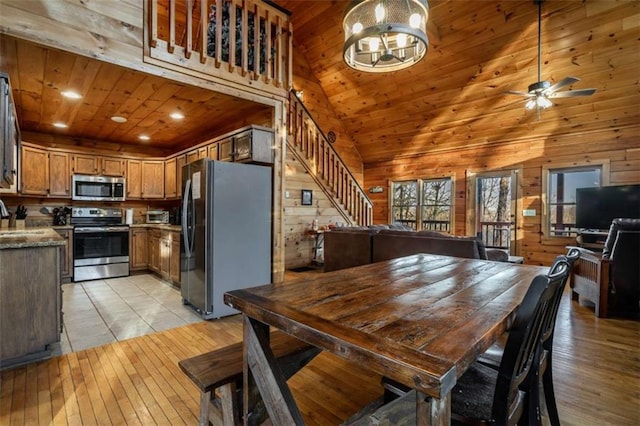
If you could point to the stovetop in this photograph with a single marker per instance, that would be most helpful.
(96, 216)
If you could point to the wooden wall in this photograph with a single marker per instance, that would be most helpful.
(298, 218)
(316, 101)
(621, 147)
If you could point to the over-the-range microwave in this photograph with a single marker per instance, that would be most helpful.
(97, 188)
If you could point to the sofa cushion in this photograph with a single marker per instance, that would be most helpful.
(391, 246)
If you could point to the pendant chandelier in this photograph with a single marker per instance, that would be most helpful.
(385, 35)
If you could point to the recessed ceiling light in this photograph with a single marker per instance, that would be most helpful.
(119, 119)
(176, 115)
(60, 125)
(144, 137)
(70, 94)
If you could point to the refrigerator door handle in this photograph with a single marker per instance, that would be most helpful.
(192, 239)
(185, 233)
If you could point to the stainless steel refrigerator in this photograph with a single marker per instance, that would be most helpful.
(226, 232)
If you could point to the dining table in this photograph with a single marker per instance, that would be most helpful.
(420, 320)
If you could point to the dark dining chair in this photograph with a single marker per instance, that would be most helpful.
(507, 395)
(492, 357)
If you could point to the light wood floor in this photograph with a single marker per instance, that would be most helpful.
(137, 381)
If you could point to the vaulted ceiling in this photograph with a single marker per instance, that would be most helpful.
(478, 50)
(454, 97)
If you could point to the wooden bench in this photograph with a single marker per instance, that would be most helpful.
(218, 375)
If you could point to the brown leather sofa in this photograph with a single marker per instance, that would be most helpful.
(349, 247)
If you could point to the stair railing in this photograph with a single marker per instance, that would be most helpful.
(324, 164)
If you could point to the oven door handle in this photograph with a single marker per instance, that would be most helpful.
(91, 229)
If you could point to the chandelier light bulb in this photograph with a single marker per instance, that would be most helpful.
(401, 40)
(374, 43)
(414, 20)
(380, 12)
(357, 27)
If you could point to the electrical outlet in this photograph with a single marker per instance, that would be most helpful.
(286, 194)
(531, 212)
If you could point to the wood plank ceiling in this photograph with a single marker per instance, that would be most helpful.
(452, 98)
(478, 50)
(39, 74)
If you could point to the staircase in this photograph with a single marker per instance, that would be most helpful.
(310, 146)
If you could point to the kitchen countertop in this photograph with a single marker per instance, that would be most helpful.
(157, 226)
(11, 238)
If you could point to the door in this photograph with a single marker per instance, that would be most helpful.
(492, 211)
(193, 248)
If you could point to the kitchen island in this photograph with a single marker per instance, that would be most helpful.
(30, 296)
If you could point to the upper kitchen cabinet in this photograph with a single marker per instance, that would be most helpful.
(252, 145)
(134, 179)
(170, 182)
(152, 179)
(145, 179)
(88, 164)
(9, 135)
(59, 175)
(44, 172)
(35, 171)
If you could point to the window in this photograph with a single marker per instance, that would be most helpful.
(423, 204)
(561, 196)
(404, 202)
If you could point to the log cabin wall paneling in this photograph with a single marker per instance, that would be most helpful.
(298, 218)
(618, 146)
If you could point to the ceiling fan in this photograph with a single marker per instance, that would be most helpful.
(540, 92)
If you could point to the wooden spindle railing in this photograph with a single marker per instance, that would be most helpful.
(320, 158)
(243, 41)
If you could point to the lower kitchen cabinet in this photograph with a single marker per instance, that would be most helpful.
(30, 303)
(138, 249)
(164, 254)
(66, 255)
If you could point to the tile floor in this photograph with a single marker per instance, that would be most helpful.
(104, 311)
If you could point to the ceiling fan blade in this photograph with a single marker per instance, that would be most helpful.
(572, 93)
(560, 84)
(517, 92)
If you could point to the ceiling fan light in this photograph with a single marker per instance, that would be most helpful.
(543, 102)
(531, 104)
(383, 36)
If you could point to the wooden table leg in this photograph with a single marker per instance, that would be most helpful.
(432, 411)
(268, 377)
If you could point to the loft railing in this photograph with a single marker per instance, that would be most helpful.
(243, 41)
(325, 165)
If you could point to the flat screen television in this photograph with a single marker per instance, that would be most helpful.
(597, 207)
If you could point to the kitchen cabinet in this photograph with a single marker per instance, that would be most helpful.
(59, 175)
(89, 164)
(254, 145)
(134, 179)
(45, 173)
(152, 179)
(66, 255)
(30, 303)
(9, 136)
(145, 179)
(34, 171)
(197, 154)
(170, 178)
(139, 249)
(164, 250)
(180, 161)
(213, 151)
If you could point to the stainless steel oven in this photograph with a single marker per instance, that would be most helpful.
(100, 244)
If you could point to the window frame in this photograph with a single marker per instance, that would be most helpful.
(547, 170)
(420, 205)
